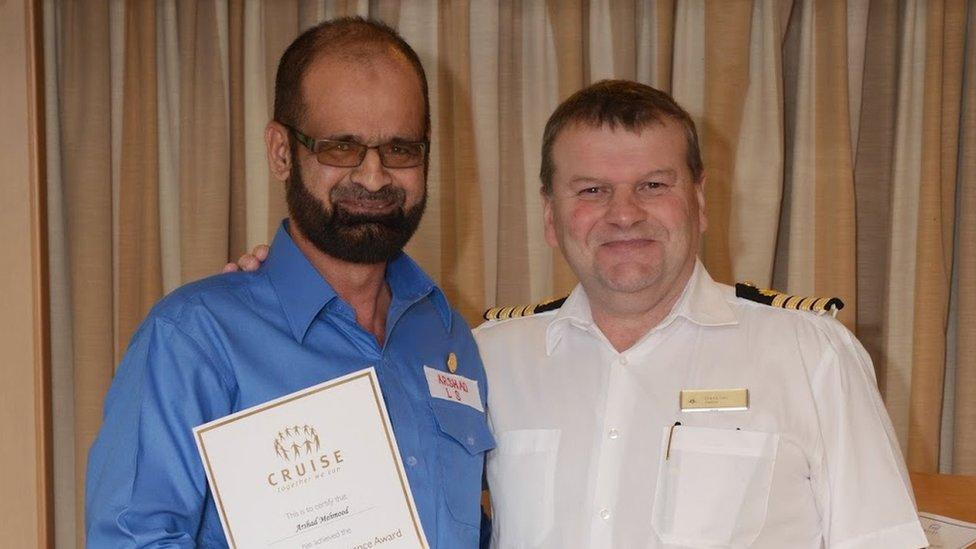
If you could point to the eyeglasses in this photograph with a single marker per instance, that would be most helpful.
(349, 154)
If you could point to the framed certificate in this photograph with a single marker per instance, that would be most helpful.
(316, 468)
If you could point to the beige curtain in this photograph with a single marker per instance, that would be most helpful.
(839, 142)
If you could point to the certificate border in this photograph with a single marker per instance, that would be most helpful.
(942, 519)
(369, 373)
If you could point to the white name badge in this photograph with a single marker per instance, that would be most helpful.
(453, 387)
(317, 468)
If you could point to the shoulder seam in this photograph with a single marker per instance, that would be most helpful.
(221, 373)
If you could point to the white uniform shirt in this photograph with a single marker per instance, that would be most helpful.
(582, 431)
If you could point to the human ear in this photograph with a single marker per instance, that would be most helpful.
(550, 227)
(700, 194)
(278, 149)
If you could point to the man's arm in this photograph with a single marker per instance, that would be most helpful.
(145, 484)
(862, 483)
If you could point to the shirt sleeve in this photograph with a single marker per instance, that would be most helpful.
(146, 486)
(863, 487)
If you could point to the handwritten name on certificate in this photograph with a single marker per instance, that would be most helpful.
(316, 468)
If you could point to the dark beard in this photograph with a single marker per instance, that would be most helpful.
(350, 236)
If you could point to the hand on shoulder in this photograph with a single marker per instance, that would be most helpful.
(250, 261)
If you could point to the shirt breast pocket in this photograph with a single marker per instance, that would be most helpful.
(713, 486)
(460, 453)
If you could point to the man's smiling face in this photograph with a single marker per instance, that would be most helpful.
(363, 214)
(624, 208)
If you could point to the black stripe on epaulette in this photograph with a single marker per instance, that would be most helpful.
(549, 305)
(774, 298)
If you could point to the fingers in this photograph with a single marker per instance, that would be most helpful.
(248, 263)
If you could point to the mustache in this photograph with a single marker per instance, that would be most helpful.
(355, 192)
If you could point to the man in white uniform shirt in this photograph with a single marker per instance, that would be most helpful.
(595, 448)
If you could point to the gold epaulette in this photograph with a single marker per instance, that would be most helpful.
(786, 301)
(516, 311)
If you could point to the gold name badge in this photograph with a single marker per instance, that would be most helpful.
(705, 400)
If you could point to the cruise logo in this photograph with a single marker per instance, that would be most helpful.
(292, 441)
(300, 450)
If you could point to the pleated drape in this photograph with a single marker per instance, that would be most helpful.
(138, 189)
(84, 122)
(838, 140)
(959, 438)
(873, 173)
(944, 46)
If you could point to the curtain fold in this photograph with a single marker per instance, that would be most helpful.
(936, 217)
(655, 40)
(168, 116)
(906, 167)
(462, 255)
(833, 178)
(279, 26)
(204, 145)
(838, 140)
(756, 171)
(484, 46)
(418, 24)
(873, 174)
(963, 391)
(727, 30)
(539, 94)
(513, 268)
(236, 128)
(139, 271)
(84, 119)
(567, 23)
(61, 329)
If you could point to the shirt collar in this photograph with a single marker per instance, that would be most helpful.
(702, 302)
(303, 292)
(575, 312)
(409, 284)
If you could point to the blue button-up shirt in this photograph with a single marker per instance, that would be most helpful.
(236, 340)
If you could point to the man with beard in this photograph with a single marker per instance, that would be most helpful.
(336, 294)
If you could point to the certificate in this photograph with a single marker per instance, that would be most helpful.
(316, 468)
(947, 533)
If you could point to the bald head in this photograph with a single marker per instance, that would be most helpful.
(352, 39)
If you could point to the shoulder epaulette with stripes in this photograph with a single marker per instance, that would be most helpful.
(516, 311)
(786, 301)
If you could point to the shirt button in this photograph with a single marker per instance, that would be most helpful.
(614, 433)
(411, 461)
(470, 441)
(623, 360)
(605, 514)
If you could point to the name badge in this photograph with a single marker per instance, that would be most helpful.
(710, 400)
(453, 387)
